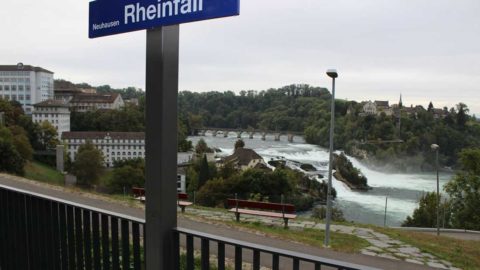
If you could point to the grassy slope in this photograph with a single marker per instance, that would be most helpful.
(463, 254)
(43, 173)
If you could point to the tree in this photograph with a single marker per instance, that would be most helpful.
(21, 142)
(239, 144)
(430, 107)
(464, 191)
(204, 173)
(426, 213)
(127, 177)
(202, 147)
(10, 160)
(48, 135)
(462, 116)
(88, 165)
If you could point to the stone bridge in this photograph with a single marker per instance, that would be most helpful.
(251, 132)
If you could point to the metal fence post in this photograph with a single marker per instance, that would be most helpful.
(161, 146)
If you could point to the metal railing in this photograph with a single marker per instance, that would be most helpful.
(43, 232)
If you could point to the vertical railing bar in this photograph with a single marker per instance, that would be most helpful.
(256, 259)
(190, 258)
(56, 236)
(205, 251)
(136, 246)
(79, 238)
(96, 241)
(48, 236)
(63, 235)
(22, 229)
(14, 231)
(87, 238)
(144, 229)
(275, 261)
(221, 255)
(115, 244)
(36, 237)
(125, 226)
(71, 238)
(105, 242)
(238, 258)
(3, 231)
(318, 266)
(296, 264)
(176, 248)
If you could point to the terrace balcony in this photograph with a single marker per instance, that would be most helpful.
(45, 232)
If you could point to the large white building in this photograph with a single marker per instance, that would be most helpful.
(26, 84)
(114, 145)
(56, 112)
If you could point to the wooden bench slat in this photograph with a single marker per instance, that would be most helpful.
(263, 213)
(287, 208)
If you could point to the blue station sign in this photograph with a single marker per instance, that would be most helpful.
(110, 17)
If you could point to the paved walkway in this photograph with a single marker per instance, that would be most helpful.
(380, 244)
(383, 253)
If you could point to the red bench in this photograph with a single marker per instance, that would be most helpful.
(139, 194)
(183, 201)
(278, 210)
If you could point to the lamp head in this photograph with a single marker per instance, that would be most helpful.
(435, 146)
(332, 73)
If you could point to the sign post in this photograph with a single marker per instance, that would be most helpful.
(161, 19)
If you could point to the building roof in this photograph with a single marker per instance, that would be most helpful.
(23, 68)
(381, 103)
(91, 135)
(52, 103)
(242, 156)
(94, 98)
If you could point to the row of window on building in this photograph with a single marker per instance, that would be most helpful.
(14, 73)
(15, 97)
(14, 87)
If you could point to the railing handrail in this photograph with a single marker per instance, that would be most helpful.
(77, 205)
(272, 250)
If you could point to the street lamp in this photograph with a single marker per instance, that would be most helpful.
(435, 148)
(332, 73)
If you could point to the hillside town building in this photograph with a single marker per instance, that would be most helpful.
(26, 84)
(56, 112)
(115, 146)
(245, 158)
(84, 102)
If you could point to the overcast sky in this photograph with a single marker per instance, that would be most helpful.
(428, 50)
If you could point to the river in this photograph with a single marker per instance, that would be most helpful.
(402, 190)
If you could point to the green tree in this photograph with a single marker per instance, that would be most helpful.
(88, 165)
(239, 144)
(464, 191)
(426, 213)
(204, 173)
(202, 147)
(48, 135)
(127, 177)
(21, 142)
(462, 116)
(10, 159)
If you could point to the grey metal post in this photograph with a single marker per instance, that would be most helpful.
(2, 119)
(161, 146)
(330, 167)
(385, 217)
(438, 197)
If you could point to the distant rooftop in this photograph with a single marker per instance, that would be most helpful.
(243, 156)
(51, 103)
(94, 98)
(23, 68)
